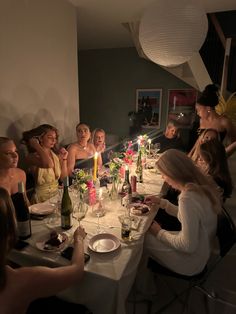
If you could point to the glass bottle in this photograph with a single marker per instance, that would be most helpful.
(22, 212)
(66, 206)
(126, 190)
(139, 168)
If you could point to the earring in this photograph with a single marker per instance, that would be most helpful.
(208, 110)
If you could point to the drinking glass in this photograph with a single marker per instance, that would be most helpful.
(80, 211)
(99, 211)
(55, 202)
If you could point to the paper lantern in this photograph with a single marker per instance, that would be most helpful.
(172, 31)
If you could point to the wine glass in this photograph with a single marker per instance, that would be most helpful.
(99, 211)
(156, 148)
(80, 211)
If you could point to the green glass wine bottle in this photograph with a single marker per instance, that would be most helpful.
(139, 168)
(22, 212)
(66, 206)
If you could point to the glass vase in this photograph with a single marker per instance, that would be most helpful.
(114, 188)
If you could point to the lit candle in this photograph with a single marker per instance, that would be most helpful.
(95, 167)
(149, 144)
(126, 167)
(100, 194)
(139, 142)
(174, 103)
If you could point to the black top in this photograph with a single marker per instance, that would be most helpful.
(167, 143)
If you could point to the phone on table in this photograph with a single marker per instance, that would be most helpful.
(68, 252)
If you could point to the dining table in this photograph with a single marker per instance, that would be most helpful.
(108, 275)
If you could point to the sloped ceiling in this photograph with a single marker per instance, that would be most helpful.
(100, 22)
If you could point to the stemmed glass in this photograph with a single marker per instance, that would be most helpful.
(55, 202)
(156, 148)
(80, 210)
(99, 211)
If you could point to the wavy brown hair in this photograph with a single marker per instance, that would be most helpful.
(36, 132)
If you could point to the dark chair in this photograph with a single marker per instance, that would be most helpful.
(226, 234)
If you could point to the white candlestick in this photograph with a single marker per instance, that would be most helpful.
(174, 103)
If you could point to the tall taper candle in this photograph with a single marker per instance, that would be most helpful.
(95, 167)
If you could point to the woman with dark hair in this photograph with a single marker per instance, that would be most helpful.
(10, 175)
(185, 251)
(209, 118)
(46, 166)
(213, 161)
(80, 154)
(19, 287)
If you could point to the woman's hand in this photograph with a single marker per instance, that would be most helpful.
(154, 228)
(79, 234)
(152, 200)
(63, 154)
(34, 142)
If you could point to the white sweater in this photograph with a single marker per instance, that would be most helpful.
(186, 251)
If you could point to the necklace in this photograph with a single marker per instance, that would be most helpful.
(82, 147)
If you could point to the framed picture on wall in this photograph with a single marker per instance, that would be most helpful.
(181, 105)
(148, 106)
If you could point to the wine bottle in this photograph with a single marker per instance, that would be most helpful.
(22, 212)
(139, 168)
(126, 190)
(66, 206)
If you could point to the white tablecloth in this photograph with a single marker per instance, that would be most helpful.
(108, 276)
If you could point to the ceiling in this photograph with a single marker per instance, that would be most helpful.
(100, 22)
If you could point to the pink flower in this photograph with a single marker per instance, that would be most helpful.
(89, 184)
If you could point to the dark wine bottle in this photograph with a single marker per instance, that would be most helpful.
(22, 212)
(126, 190)
(139, 168)
(66, 206)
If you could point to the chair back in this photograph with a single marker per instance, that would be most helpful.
(226, 232)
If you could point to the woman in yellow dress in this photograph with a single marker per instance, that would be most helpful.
(46, 166)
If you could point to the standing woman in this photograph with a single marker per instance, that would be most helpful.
(209, 118)
(10, 175)
(186, 251)
(46, 166)
(80, 154)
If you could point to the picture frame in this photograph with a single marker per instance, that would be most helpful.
(181, 105)
(148, 106)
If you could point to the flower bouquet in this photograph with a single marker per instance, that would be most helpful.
(115, 165)
(83, 182)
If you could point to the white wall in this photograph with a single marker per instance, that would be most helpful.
(38, 67)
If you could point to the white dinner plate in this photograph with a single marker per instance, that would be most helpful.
(41, 209)
(40, 243)
(104, 243)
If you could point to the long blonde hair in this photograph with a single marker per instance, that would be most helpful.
(194, 153)
(181, 169)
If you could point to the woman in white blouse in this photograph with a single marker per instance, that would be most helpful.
(188, 250)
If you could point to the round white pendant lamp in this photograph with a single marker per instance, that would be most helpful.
(172, 31)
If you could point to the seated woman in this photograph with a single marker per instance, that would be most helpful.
(24, 285)
(206, 135)
(209, 118)
(213, 161)
(99, 141)
(80, 154)
(46, 166)
(188, 250)
(10, 175)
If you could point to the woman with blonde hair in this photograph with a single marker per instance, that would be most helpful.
(188, 250)
(206, 135)
(19, 287)
(44, 162)
(10, 174)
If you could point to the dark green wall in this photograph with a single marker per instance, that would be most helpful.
(108, 80)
